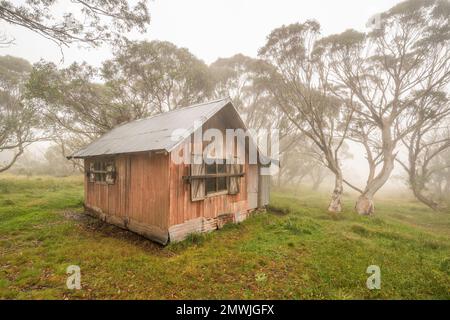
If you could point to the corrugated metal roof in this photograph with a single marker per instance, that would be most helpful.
(154, 133)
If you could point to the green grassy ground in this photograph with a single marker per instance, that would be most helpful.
(295, 251)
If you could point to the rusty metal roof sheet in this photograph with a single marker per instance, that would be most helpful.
(154, 133)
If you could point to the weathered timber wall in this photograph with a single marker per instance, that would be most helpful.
(139, 198)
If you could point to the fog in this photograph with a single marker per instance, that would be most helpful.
(213, 34)
(209, 29)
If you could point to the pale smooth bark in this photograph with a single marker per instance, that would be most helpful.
(336, 197)
(365, 203)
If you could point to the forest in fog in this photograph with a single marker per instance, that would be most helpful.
(384, 91)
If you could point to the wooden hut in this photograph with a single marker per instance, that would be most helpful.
(133, 181)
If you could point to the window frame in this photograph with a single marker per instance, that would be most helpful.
(199, 178)
(216, 176)
(101, 172)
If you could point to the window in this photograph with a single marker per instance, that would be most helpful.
(210, 179)
(102, 172)
(217, 183)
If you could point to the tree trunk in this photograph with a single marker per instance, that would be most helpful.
(418, 187)
(364, 205)
(336, 198)
(425, 200)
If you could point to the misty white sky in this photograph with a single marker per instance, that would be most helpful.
(216, 28)
(211, 28)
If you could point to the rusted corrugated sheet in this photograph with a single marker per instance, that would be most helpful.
(154, 133)
(252, 186)
(264, 190)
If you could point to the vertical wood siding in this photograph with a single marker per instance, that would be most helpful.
(108, 198)
(140, 192)
(182, 209)
(149, 194)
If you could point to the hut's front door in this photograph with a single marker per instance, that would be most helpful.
(252, 186)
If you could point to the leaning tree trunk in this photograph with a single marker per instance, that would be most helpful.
(365, 204)
(336, 198)
(418, 187)
(425, 200)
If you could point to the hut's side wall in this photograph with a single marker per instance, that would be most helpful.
(108, 198)
(139, 198)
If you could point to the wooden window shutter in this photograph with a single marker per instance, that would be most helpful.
(234, 182)
(91, 174)
(198, 185)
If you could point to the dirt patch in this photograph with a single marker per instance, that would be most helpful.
(278, 211)
(103, 229)
(74, 215)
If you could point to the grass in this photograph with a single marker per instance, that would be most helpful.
(294, 251)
